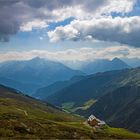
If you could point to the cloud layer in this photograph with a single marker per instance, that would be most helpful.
(81, 54)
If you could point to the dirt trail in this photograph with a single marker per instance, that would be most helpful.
(25, 112)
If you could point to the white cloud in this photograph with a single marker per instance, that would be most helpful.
(81, 9)
(123, 30)
(69, 33)
(118, 6)
(35, 24)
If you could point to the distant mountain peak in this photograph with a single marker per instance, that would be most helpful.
(117, 59)
(120, 62)
(37, 59)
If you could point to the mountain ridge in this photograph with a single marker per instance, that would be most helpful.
(102, 65)
(82, 96)
(37, 71)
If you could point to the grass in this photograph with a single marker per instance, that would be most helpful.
(25, 118)
(70, 106)
(120, 132)
(86, 105)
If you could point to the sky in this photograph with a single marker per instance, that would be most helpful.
(69, 30)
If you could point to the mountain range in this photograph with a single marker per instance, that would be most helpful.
(81, 97)
(92, 67)
(29, 75)
(133, 62)
(43, 93)
(102, 65)
(76, 92)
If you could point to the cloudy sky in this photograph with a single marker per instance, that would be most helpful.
(69, 29)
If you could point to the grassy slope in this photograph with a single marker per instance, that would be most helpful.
(24, 117)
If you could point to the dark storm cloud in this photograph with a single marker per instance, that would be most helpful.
(13, 13)
(7, 2)
(50, 4)
(54, 4)
(8, 24)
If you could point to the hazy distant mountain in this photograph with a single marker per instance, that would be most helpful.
(90, 87)
(95, 86)
(36, 71)
(25, 87)
(133, 62)
(74, 64)
(102, 65)
(43, 93)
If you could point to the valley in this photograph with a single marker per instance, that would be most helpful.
(62, 108)
(107, 95)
